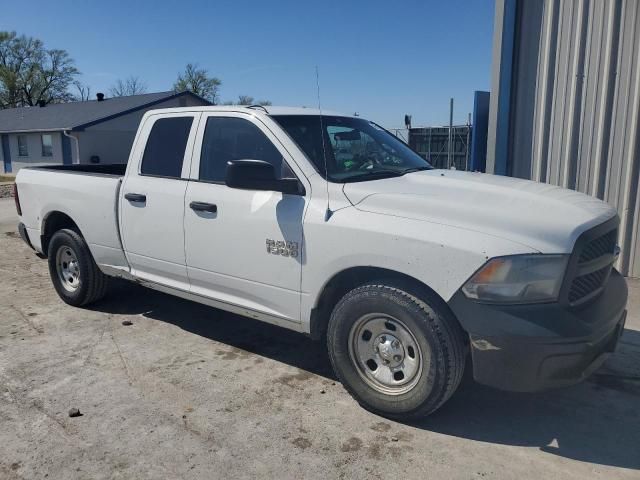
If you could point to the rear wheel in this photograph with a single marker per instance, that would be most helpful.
(75, 275)
(398, 355)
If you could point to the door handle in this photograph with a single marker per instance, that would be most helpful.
(135, 197)
(204, 207)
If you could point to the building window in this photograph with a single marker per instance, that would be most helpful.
(23, 150)
(47, 146)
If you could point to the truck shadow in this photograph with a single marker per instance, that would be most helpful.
(244, 333)
(597, 421)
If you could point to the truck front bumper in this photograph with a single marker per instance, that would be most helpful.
(527, 348)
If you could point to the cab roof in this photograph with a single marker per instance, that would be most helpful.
(267, 109)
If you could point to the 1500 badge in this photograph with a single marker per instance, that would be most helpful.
(286, 249)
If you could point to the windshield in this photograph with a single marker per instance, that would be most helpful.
(355, 149)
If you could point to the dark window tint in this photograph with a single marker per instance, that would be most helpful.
(235, 139)
(164, 152)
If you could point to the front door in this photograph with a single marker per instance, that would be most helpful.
(243, 247)
(152, 200)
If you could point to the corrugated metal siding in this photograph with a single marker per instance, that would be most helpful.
(575, 104)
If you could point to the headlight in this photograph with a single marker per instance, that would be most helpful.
(518, 279)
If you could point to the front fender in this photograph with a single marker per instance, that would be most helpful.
(439, 256)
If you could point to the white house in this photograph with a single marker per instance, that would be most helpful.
(97, 131)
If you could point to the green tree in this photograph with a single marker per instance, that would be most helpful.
(198, 81)
(30, 73)
(15, 53)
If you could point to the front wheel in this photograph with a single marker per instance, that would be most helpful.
(398, 355)
(74, 274)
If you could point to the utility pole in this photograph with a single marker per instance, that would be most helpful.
(466, 157)
(449, 152)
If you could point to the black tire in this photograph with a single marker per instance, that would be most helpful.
(439, 338)
(91, 284)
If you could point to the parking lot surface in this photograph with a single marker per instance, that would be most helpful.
(191, 392)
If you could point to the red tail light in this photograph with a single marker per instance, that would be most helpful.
(17, 199)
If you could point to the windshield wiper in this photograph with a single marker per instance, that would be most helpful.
(374, 175)
(380, 173)
(416, 169)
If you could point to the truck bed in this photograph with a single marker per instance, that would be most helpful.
(88, 194)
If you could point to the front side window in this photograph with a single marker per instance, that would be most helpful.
(230, 138)
(23, 149)
(47, 146)
(354, 149)
(165, 148)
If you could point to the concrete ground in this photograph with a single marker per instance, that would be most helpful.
(8, 215)
(192, 392)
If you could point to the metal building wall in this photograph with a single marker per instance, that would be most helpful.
(573, 118)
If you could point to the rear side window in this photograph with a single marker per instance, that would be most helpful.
(164, 152)
(228, 138)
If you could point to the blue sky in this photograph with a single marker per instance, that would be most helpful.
(380, 58)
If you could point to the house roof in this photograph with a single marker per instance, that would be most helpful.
(78, 115)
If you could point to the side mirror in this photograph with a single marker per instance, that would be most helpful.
(259, 175)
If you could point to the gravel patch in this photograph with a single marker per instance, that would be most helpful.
(6, 190)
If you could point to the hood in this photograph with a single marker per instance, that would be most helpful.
(537, 215)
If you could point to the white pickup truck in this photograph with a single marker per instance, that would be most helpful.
(329, 225)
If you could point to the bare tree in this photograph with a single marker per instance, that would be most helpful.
(248, 100)
(48, 79)
(245, 100)
(30, 74)
(198, 81)
(84, 92)
(129, 86)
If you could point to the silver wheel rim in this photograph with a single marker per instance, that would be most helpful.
(68, 268)
(386, 354)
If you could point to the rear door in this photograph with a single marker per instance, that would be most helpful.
(247, 250)
(152, 199)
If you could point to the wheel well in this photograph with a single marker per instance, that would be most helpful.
(53, 222)
(347, 280)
